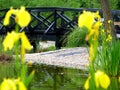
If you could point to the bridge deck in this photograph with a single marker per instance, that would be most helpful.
(68, 58)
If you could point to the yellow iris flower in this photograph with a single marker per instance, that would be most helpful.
(96, 28)
(109, 38)
(101, 79)
(25, 45)
(109, 21)
(7, 17)
(10, 39)
(91, 52)
(86, 19)
(86, 85)
(12, 84)
(8, 84)
(22, 17)
(21, 86)
(25, 41)
(94, 31)
(13, 37)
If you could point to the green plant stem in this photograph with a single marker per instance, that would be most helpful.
(17, 62)
(92, 74)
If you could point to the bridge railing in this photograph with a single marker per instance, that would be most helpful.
(51, 21)
(47, 19)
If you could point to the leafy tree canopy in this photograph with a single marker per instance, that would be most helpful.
(114, 4)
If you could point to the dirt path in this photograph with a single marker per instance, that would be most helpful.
(70, 58)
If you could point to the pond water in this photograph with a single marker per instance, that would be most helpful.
(53, 78)
(57, 78)
(48, 77)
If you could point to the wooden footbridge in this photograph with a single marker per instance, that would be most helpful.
(51, 23)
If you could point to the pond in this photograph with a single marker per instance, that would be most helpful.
(49, 77)
(57, 78)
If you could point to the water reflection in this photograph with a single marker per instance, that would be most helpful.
(57, 78)
(54, 78)
(115, 85)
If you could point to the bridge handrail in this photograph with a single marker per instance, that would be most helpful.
(55, 23)
(63, 9)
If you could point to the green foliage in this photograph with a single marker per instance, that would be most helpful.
(6, 70)
(14, 3)
(39, 3)
(90, 3)
(77, 37)
(114, 4)
(7, 53)
(109, 58)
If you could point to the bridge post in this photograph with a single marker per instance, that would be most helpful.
(57, 44)
(62, 21)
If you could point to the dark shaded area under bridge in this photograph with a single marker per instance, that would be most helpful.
(51, 23)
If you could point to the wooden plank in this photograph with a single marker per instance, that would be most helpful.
(116, 23)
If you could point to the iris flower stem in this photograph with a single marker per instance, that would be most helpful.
(17, 28)
(17, 62)
(92, 80)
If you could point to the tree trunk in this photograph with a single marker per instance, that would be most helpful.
(107, 16)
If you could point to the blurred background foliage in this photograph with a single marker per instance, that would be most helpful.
(114, 4)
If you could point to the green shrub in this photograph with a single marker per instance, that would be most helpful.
(76, 38)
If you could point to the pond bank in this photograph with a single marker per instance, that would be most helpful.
(69, 58)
